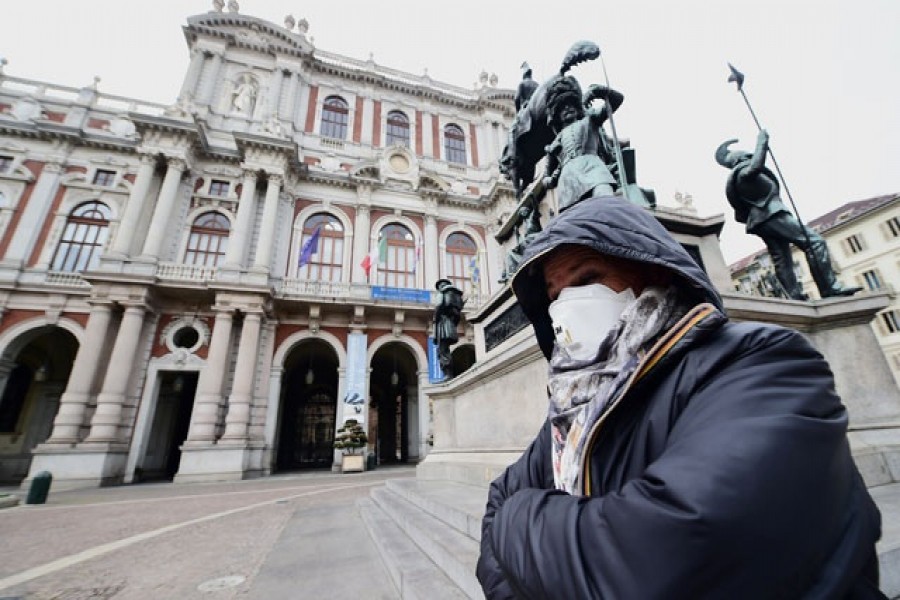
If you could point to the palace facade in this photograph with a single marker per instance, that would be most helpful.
(208, 290)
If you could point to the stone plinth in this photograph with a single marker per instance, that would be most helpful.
(484, 418)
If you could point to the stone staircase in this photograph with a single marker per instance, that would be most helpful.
(428, 534)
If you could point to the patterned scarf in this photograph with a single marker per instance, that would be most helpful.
(581, 391)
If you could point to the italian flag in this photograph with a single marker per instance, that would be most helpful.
(379, 253)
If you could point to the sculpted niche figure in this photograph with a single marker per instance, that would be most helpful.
(753, 192)
(244, 98)
(446, 318)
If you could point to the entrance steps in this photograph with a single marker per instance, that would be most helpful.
(428, 533)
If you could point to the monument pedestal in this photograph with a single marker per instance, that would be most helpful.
(485, 418)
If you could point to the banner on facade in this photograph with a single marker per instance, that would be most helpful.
(435, 373)
(354, 403)
(401, 294)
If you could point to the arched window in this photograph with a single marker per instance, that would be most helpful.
(397, 128)
(83, 238)
(335, 113)
(461, 261)
(454, 144)
(208, 241)
(399, 268)
(325, 261)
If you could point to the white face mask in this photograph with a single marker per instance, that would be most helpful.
(583, 316)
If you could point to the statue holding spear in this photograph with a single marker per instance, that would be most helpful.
(754, 193)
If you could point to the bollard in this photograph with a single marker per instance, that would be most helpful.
(40, 487)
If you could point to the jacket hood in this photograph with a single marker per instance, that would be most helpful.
(611, 226)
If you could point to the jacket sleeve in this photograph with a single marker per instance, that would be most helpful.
(750, 489)
(532, 470)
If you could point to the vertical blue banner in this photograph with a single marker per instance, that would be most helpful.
(435, 373)
(355, 399)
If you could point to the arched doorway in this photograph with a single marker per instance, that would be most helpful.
(34, 371)
(393, 413)
(308, 407)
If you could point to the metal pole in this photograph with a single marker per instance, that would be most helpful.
(738, 78)
(612, 123)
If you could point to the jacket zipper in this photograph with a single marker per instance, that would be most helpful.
(653, 356)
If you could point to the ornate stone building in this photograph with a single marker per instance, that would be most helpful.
(208, 290)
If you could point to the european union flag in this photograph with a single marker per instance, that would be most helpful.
(310, 247)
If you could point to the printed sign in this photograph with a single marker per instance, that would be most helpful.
(435, 373)
(401, 294)
(355, 399)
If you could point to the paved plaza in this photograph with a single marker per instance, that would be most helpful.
(294, 536)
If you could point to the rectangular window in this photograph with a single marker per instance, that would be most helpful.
(218, 188)
(854, 244)
(893, 225)
(872, 280)
(104, 178)
(5, 164)
(891, 321)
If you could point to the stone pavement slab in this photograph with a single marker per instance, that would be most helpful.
(324, 551)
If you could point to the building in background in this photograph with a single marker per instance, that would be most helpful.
(208, 290)
(864, 239)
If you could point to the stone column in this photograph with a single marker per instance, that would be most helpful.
(237, 245)
(188, 88)
(128, 223)
(210, 77)
(160, 225)
(73, 403)
(209, 387)
(108, 416)
(266, 241)
(237, 420)
(431, 251)
(361, 237)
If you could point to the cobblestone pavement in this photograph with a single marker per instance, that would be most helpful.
(296, 536)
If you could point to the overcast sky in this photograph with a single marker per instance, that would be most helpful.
(822, 75)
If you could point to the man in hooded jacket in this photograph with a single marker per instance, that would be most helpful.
(684, 456)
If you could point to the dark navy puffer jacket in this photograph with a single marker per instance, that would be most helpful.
(723, 471)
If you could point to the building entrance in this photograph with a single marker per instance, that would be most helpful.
(170, 426)
(394, 388)
(34, 370)
(308, 408)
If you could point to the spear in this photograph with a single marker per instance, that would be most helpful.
(738, 78)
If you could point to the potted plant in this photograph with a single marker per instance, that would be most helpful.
(350, 439)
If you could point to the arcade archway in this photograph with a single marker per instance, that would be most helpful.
(308, 407)
(393, 412)
(34, 370)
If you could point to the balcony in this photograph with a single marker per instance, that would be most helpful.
(65, 279)
(185, 273)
